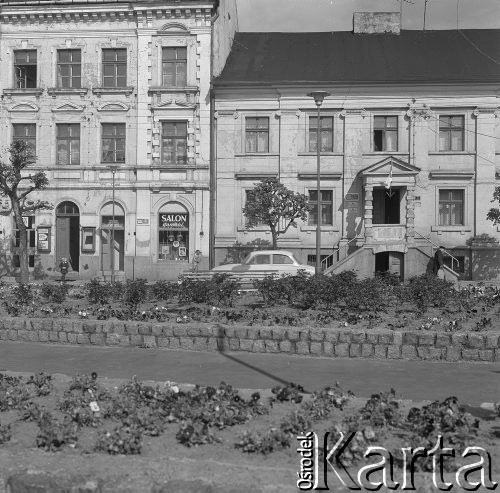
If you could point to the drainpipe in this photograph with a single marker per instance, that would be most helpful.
(475, 180)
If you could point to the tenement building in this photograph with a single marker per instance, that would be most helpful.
(409, 141)
(114, 99)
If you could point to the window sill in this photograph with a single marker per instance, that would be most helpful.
(172, 167)
(163, 89)
(53, 91)
(323, 228)
(113, 90)
(323, 153)
(452, 229)
(256, 229)
(388, 153)
(257, 154)
(37, 91)
(449, 153)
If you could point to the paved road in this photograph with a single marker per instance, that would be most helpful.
(472, 383)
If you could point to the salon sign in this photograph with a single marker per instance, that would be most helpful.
(174, 220)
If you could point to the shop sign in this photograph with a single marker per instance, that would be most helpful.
(144, 221)
(43, 239)
(174, 220)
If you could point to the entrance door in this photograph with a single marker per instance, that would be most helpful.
(68, 234)
(117, 249)
(386, 206)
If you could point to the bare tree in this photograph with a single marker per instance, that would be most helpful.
(17, 184)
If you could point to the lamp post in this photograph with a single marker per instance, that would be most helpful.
(112, 243)
(318, 96)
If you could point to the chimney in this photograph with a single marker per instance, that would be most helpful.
(377, 23)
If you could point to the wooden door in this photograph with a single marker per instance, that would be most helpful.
(62, 238)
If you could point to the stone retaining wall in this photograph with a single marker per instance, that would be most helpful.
(346, 343)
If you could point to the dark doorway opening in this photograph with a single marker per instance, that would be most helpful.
(382, 262)
(68, 234)
(391, 262)
(386, 206)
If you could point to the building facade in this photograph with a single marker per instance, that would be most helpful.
(114, 98)
(410, 144)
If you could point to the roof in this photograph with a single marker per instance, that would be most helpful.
(469, 55)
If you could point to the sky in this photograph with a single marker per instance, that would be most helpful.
(336, 15)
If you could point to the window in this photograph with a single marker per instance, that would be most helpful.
(457, 265)
(451, 133)
(68, 144)
(261, 260)
(249, 196)
(69, 68)
(114, 67)
(174, 143)
(25, 68)
(385, 133)
(282, 259)
(174, 67)
(113, 142)
(173, 234)
(257, 134)
(326, 260)
(25, 132)
(451, 207)
(326, 133)
(326, 207)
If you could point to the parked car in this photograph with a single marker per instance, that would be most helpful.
(278, 261)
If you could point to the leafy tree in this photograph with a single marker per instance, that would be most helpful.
(17, 185)
(494, 213)
(273, 204)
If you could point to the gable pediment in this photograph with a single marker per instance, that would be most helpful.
(113, 106)
(388, 164)
(24, 107)
(68, 107)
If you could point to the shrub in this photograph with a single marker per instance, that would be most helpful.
(54, 434)
(97, 292)
(23, 294)
(428, 290)
(125, 439)
(264, 443)
(116, 289)
(136, 291)
(270, 289)
(164, 290)
(194, 291)
(55, 293)
(195, 433)
(5, 434)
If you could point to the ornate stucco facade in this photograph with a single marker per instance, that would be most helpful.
(111, 88)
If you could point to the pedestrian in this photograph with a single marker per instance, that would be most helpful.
(437, 265)
(196, 260)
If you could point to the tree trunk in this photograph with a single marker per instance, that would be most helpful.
(23, 241)
(274, 235)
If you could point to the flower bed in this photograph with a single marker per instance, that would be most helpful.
(91, 422)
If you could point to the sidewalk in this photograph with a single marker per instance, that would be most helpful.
(472, 383)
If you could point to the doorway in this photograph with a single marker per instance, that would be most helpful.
(386, 206)
(112, 238)
(68, 234)
(391, 262)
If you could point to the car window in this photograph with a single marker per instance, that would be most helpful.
(248, 259)
(282, 259)
(262, 259)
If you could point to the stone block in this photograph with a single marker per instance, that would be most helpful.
(398, 338)
(486, 354)
(380, 351)
(252, 333)
(317, 335)
(4, 335)
(345, 336)
(168, 331)
(175, 343)
(328, 348)
(408, 351)
(358, 337)
(279, 333)
(355, 350)
(212, 344)
(22, 335)
(71, 337)
(107, 327)
(302, 347)
(386, 338)
(241, 332)
(331, 335)
(229, 332)
(234, 344)
(131, 329)
(112, 339)
(162, 341)
(181, 331)
(393, 351)
(443, 340)
(119, 327)
(12, 334)
(124, 340)
(76, 326)
(186, 343)
(491, 341)
(459, 339)
(246, 345)
(470, 354)
(82, 339)
(144, 329)
(63, 336)
(135, 340)
(436, 353)
(194, 331)
(271, 346)
(497, 354)
(342, 349)
(316, 349)
(258, 346)
(453, 353)
(371, 338)
(423, 352)
(97, 339)
(366, 350)
(475, 341)
(285, 346)
(200, 344)
(427, 339)
(89, 327)
(54, 336)
(266, 332)
(304, 335)
(293, 334)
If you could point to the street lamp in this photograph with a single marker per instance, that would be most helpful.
(113, 169)
(318, 96)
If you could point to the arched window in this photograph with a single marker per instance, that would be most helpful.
(67, 209)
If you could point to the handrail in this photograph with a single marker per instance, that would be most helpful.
(437, 246)
(337, 248)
